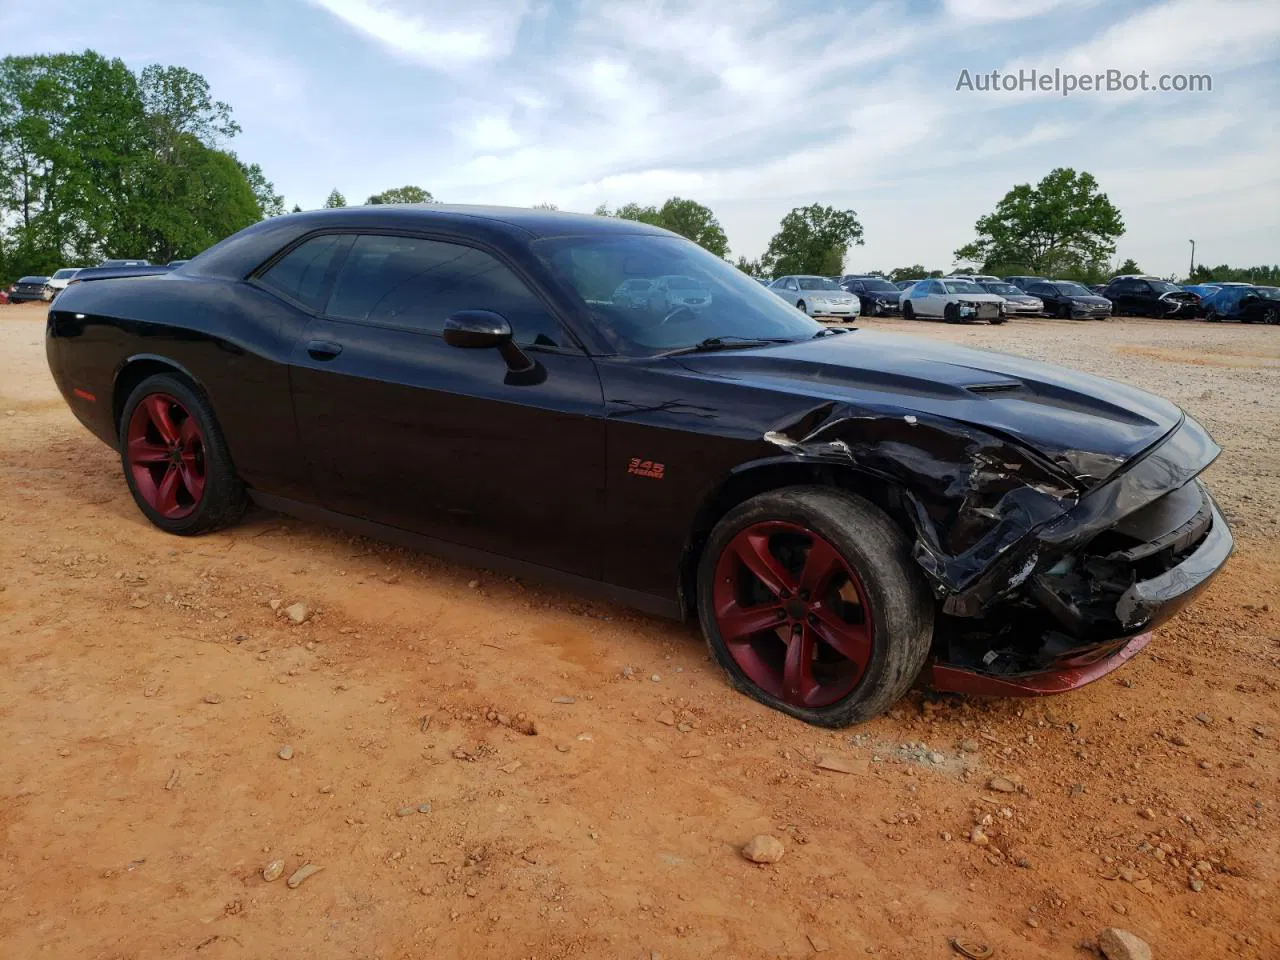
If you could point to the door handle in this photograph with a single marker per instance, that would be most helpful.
(323, 349)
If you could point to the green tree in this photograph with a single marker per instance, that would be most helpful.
(335, 199)
(1263, 275)
(688, 218)
(1062, 224)
(1128, 267)
(751, 268)
(695, 222)
(270, 203)
(545, 206)
(297, 208)
(812, 240)
(408, 194)
(914, 272)
(95, 160)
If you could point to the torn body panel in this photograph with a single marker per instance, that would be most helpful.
(1037, 567)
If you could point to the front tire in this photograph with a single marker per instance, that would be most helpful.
(802, 308)
(908, 311)
(175, 458)
(951, 313)
(812, 605)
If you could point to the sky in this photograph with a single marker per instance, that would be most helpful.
(751, 107)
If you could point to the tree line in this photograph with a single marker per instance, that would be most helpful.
(98, 161)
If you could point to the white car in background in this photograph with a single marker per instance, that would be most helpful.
(955, 301)
(675, 291)
(60, 279)
(816, 296)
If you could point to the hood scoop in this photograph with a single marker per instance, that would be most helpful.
(997, 386)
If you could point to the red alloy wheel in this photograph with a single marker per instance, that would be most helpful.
(165, 450)
(793, 614)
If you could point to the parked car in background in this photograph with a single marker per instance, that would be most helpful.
(125, 263)
(1098, 288)
(176, 263)
(903, 284)
(1150, 297)
(816, 296)
(841, 510)
(955, 301)
(61, 278)
(4, 296)
(678, 292)
(1245, 304)
(633, 293)
(1069, 300)
(1021, 282)
(876, 295)
(30, 288)
(1016, 302)
(978, 278)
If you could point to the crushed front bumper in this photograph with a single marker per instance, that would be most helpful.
(1092, 585)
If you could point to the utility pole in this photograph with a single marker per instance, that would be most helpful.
(1193, 260)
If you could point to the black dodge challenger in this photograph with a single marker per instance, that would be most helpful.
(842, 510)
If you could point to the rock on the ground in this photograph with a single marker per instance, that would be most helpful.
(297, 612)
(273, 871)
(285, 752)
(301, 874)
(763, 849)
(1002, 785)
(1117, 944)
(667, 717)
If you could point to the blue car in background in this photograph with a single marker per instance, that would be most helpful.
(1202, 290)
(1244, 304)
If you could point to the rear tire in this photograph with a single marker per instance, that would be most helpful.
(839, 654)
(1271, 316)
(175, 458)
(908, 311)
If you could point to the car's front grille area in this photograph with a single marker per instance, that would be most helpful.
(1156, 538)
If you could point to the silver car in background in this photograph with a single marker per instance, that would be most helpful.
(1017, 302)
(816, 296)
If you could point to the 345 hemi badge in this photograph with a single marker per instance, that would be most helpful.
(646, 468)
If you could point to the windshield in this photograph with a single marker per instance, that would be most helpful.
(962, 286)
(1271, 293)
(31, 279)
(1164, 286)
(1004, 289)
(878, 286)
(1073, 290)
(64, 274)
(816, 283)
(733, 306)
(683, 283)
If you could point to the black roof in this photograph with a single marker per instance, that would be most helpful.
(240, 253)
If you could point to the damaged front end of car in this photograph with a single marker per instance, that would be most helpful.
(1049, 571)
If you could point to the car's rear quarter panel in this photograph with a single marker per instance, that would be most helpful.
(233, 340)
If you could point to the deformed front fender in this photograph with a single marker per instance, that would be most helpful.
(974, 497)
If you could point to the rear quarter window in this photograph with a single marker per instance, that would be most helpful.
(306, 272)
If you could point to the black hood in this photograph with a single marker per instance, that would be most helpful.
(1061, 414)
(1092, 301)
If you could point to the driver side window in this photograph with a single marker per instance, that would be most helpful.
(415, 284)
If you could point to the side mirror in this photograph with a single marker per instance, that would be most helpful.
(476, 328)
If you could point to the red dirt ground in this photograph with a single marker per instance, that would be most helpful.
(147, 688)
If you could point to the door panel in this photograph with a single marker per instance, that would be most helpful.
(405, 430)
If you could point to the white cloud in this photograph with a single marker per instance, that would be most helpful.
(986, 11)
(443, 36)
